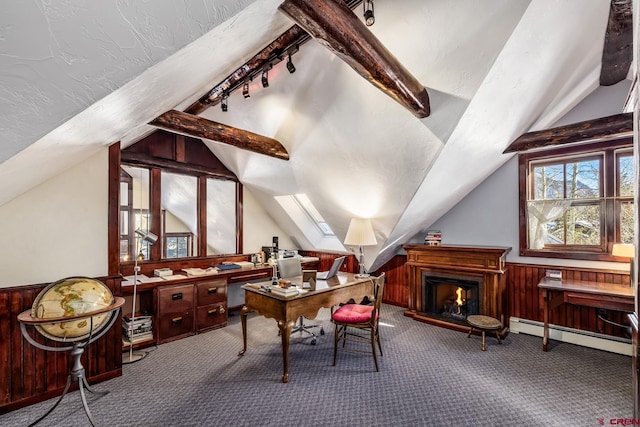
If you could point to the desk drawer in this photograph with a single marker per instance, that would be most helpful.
(211, 292)
(175, 299)
(610, 302)
(211, 316)
(174, 326)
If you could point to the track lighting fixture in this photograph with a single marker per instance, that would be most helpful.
(265, 78)
(223, 104)
(290, 66)
(245, 90)
(369, 18)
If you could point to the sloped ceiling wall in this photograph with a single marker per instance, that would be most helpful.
(493, 69)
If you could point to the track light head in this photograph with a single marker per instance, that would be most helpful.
(369, 18)
(223, 104)
(290, 66)
(265, 78)
(245, 90)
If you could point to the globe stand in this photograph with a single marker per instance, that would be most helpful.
(77, 372)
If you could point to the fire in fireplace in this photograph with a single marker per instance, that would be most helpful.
(450, 297)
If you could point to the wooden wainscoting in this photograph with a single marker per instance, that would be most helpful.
(525, 300)
(350, 264)
(28, 374)
(396, 288)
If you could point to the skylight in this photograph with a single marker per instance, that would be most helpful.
(313, 213)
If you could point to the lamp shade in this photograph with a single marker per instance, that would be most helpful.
(147, 236)
(360, 233)
(624, 250)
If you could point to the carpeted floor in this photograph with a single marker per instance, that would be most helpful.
(429, 376)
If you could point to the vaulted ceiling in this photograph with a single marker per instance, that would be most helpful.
(76, 76)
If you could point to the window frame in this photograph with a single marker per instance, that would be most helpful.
(610, 201)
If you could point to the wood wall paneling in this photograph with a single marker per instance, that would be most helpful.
(28, 374)
(396, 291)
(525, 300)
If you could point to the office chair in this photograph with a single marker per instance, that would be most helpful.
(291, 267)
(351, 319)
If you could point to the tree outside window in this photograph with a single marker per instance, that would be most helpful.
(577, 202)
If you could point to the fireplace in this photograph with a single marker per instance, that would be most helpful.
(451, 298)
(449, 283)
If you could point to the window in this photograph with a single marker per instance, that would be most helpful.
(174, 187)
(178, 245)
(313, 213)
(577, 202)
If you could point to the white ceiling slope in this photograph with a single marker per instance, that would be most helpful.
(76, 76)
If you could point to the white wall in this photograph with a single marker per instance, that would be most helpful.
(489, 216)
(57, 229)
(259, 228)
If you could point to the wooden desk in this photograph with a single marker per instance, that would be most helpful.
(590, 294)
(287, 310)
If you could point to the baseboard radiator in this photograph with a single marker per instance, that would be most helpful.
(572, 336)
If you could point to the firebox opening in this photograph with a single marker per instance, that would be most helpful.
(451, 298)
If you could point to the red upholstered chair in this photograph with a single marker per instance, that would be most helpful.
(353, 322)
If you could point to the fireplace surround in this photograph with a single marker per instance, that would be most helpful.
(435, 273)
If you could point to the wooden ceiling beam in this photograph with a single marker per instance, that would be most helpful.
(617, 53)
(274, 52)
(600, 129)
(198, 127)
(334, 25)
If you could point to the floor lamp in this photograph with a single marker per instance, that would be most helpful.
(360, 233)
(150, 238)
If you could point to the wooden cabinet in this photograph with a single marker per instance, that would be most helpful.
(190, 305)
(175, 312)
(186, 309)
(211, 304)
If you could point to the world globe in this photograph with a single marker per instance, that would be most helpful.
(74, 298)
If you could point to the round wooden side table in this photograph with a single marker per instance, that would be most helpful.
(483, 324)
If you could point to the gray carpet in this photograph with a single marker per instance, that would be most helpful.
(429, 376)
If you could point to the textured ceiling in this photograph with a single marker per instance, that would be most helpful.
(76, 76)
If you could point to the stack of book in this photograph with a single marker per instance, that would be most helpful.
(433, 238)
(286, 292)
(140, 328)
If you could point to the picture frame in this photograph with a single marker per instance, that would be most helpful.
(309, 279)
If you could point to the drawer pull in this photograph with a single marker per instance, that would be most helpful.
(176, 320)
(176, 296)
(212, 311)
(212, 291)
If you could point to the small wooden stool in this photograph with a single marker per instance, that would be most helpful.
(483, 324)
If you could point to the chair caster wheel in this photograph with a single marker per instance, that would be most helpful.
(313, 341)
(321, 331)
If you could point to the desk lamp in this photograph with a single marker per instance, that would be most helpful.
(626, 250)
(150, 238)
(360, 233)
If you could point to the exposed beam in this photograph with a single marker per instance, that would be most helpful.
(618, 43)
(588, 131)
(198, 127)
(334, 24)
